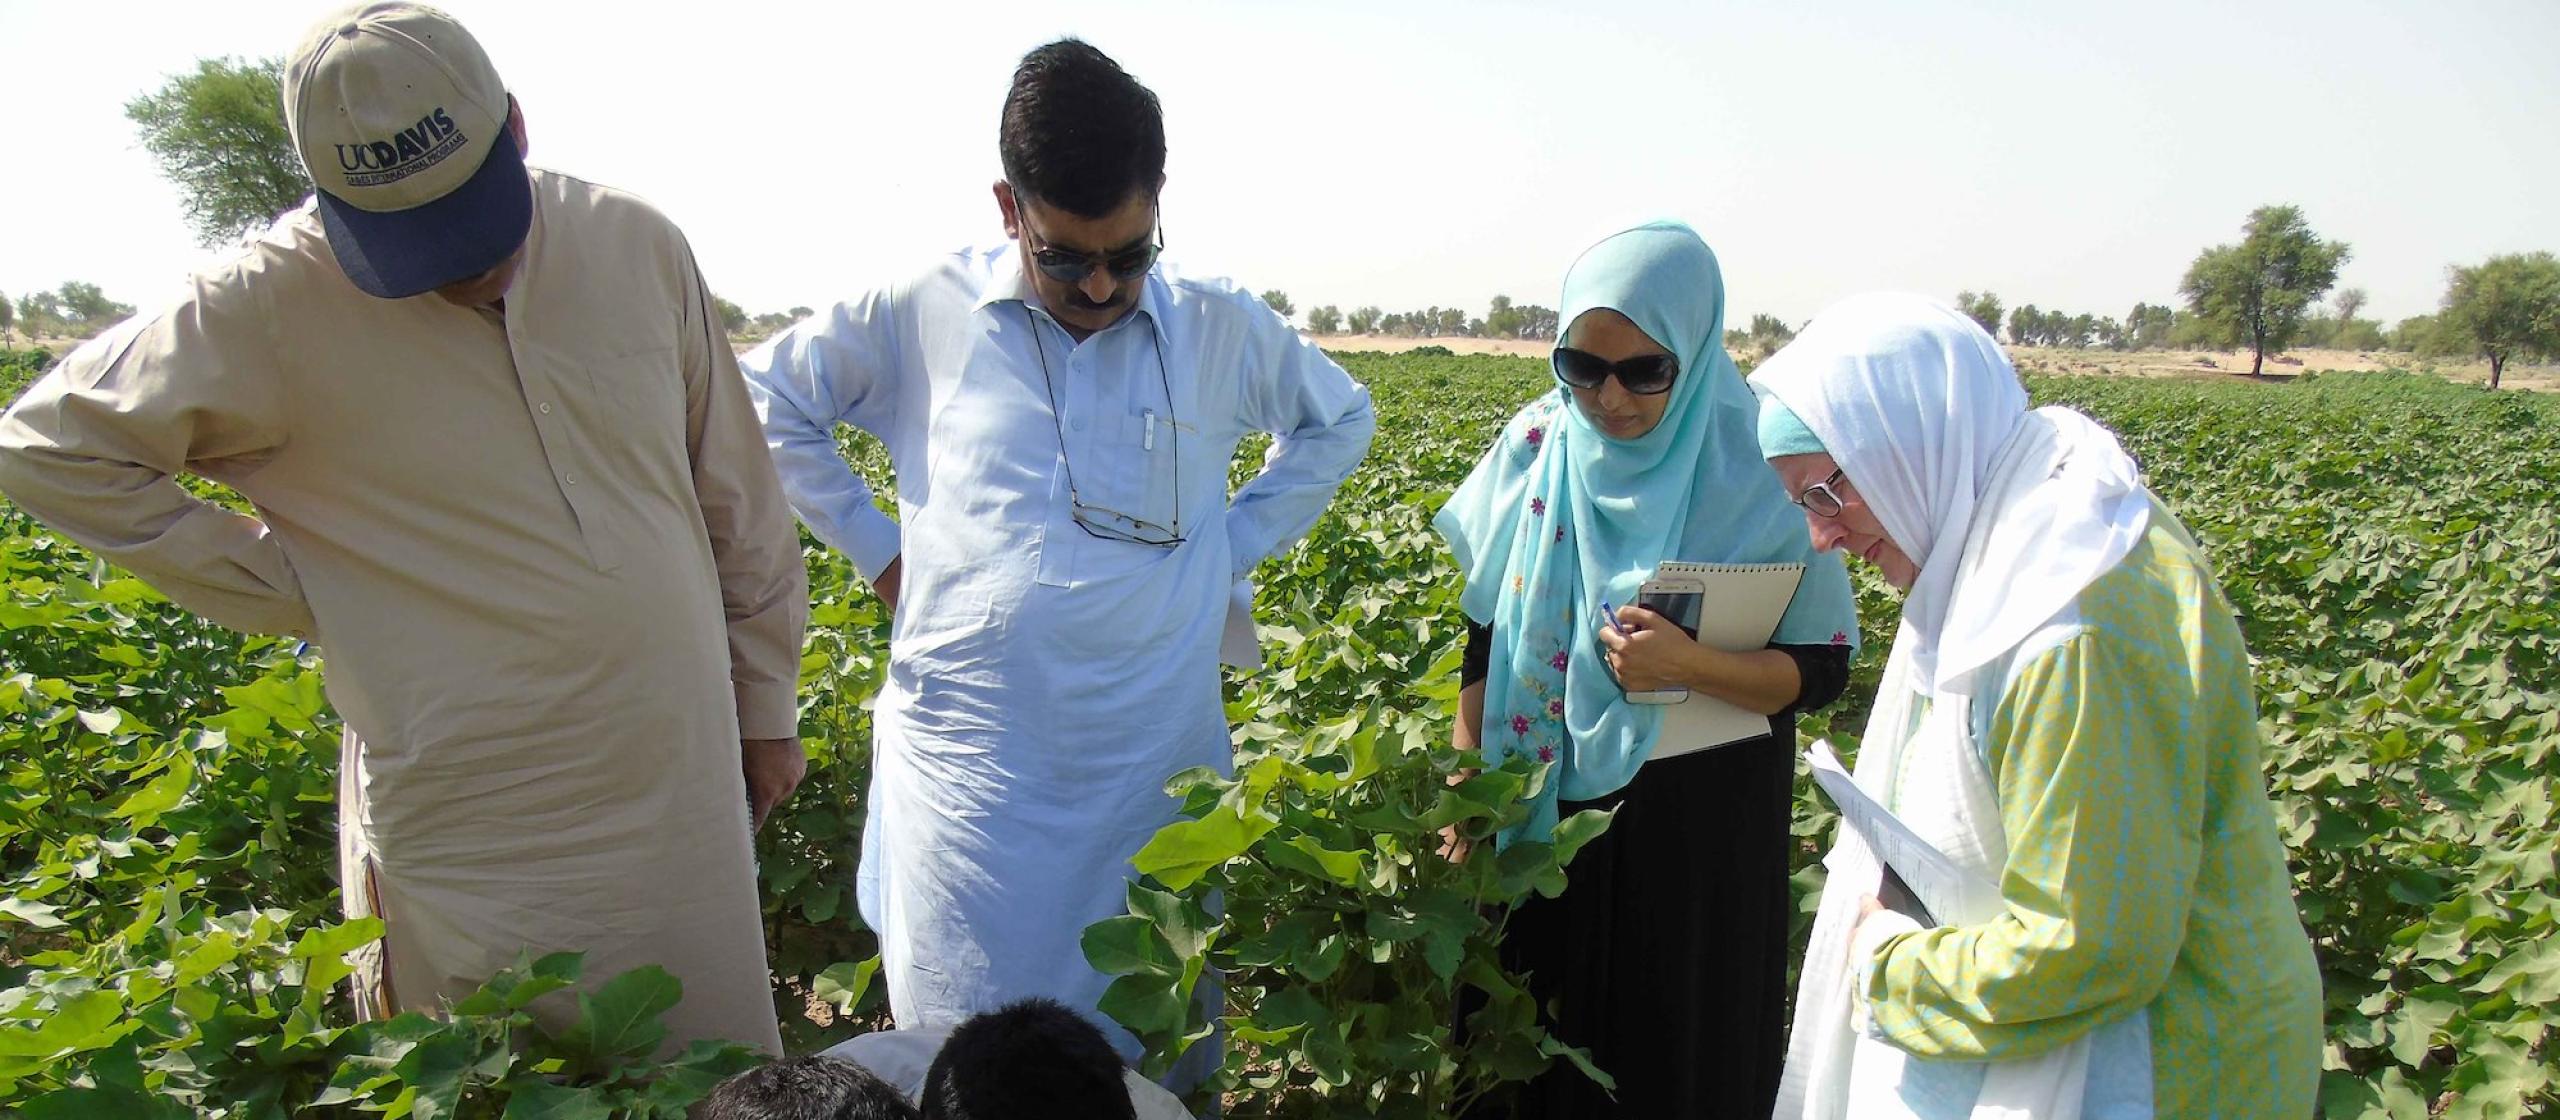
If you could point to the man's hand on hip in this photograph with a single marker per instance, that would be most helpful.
(886, 587)
(774, 768)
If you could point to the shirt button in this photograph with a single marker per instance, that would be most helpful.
(571, 479)
(1078, 424)
(546, 408)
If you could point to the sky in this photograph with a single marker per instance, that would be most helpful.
(2072, 155)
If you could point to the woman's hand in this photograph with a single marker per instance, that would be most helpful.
(1651, 653)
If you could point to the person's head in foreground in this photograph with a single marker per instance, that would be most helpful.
(807, 1088)
(417, 150)
(1030, 1059)
(1083, 150)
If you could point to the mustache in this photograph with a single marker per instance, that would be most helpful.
(1076, 300)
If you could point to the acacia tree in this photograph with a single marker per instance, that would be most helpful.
(219, 134)
(2261, 288)
(2505, 307)
(1278, 301)
(1983, 308)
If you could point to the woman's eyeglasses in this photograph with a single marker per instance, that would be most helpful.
(1645, 375)
(1821, 498)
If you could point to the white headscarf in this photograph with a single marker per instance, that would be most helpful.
(2009, 513)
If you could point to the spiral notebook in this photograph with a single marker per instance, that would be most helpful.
(1739, 610)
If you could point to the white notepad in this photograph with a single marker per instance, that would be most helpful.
(1739, 611)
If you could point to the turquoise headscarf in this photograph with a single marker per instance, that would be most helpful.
(1558, 517)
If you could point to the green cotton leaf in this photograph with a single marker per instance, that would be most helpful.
(1184, 851)
(162, 793)
(1184, 926)
(620, 1019)
(2415, 1027)
(91, 1104)
(2536, 963)
(1128, 945)
(1579, 829)
(1305, 856)
(542, 1100)
(338, 940)
(515, 988)
(1581, 1060)
(37, 914)
(1291, 1009)
(842, 985)
(1150, 1006)
(439, 1070)
(76, 1023)
(689, 1078)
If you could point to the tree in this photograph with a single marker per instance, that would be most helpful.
(2026, 324)
(2149, 326)
(1325, 320)
(2505, 307)
(2260, 288)
(90, 309)
(8, 318)
(799, 313)
(1503, 319)
(1538, 322)
(2347, 302)
(1364, 321)
(1982, 308)
(733, 318)
(40, 314)
(1279, 301)
(219, 135)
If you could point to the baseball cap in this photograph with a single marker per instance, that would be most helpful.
(402, 124)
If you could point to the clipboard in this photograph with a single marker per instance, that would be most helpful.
(1738, 611)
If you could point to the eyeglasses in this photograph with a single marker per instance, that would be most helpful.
(1069, 267)
(1821, 498)
(1102, 521)
(1645, 375)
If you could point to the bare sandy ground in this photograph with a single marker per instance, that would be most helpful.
(2201, 364)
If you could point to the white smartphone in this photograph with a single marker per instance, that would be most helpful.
(1678, 597)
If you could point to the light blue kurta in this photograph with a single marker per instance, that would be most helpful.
(1043, 682)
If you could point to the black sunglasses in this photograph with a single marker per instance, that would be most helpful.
(1067, 267)
(1644, 375)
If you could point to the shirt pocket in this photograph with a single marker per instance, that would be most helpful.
(640, 495)
(1143, 462)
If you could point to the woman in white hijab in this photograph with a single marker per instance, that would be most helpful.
(2067, 715)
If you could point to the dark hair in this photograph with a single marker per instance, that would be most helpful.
(805, 1088)
(1079, 133)
(1031, 1058)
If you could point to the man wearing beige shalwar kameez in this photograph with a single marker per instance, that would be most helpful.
(508, 479)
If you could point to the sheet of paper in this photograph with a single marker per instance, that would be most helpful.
(1932, 876)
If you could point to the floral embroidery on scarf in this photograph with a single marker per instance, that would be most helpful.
(1537, 507)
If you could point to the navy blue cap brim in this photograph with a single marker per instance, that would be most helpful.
(402, 253)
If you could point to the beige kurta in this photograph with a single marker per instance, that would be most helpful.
(544, 552)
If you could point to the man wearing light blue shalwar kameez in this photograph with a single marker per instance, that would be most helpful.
(1044, 680)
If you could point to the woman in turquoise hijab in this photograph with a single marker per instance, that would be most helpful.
(1666, 957)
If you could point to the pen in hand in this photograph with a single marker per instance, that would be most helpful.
(1611, 613)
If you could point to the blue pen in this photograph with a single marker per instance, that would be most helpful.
(1612, 614)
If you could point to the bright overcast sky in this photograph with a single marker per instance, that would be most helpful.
(2073, 155)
